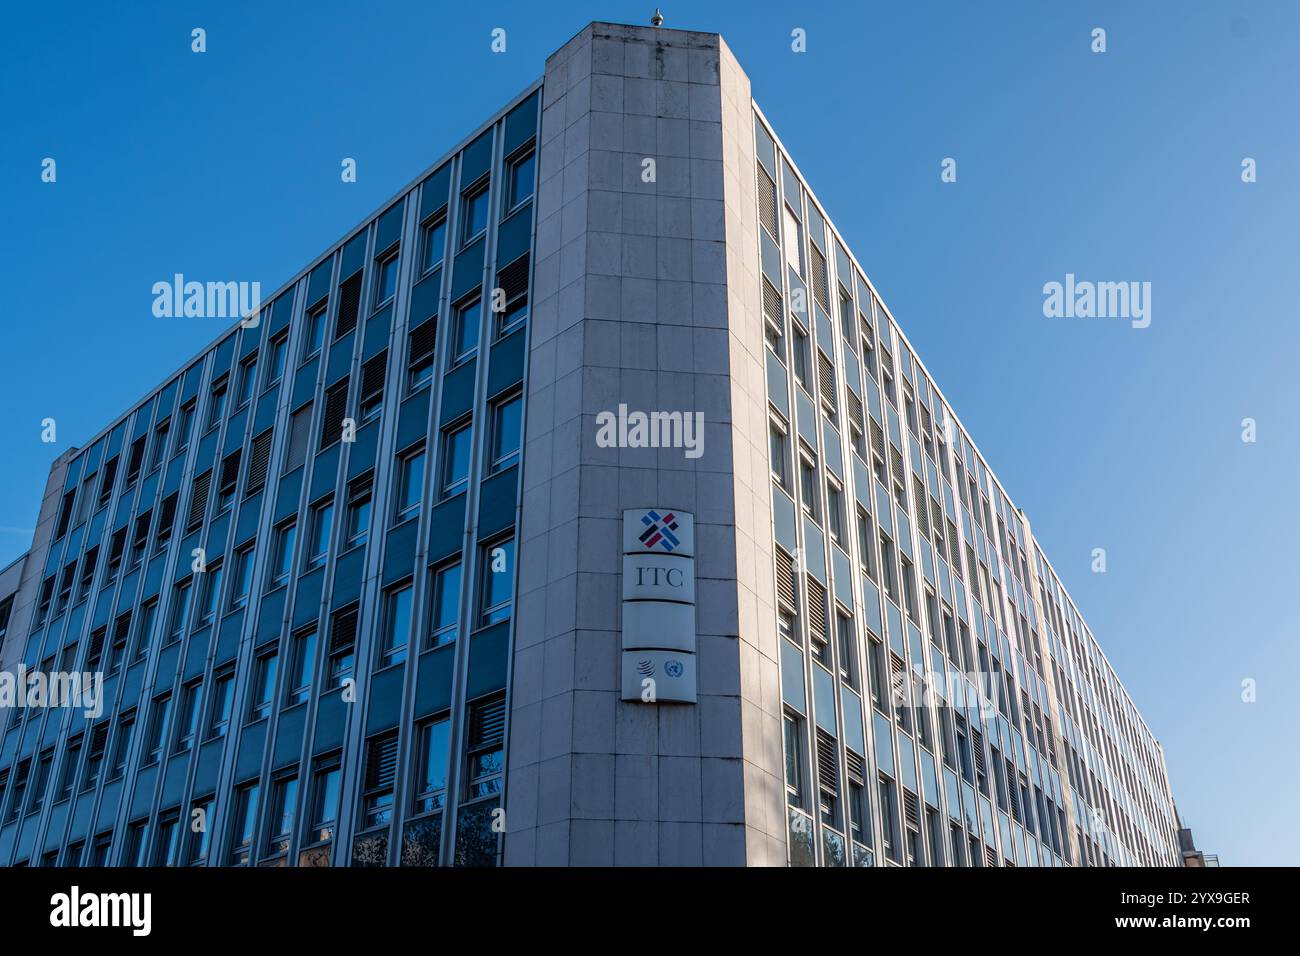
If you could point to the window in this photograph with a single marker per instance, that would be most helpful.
(802, 360)
(187, 723)
(456, 442)
(487, 721)
(888, 818)
(247, 381)
(473, 212)
(99, 849)
(302, 665)
(793, 240)
(410, 483)
(180, 607)
(465, 330)
(243, 576)
(808, 487)
(217, 404)
(835, 512)
(507, 420)
(315, 327)
(144, 629)
(198, 841)
(167, 849)
(136, 459)
(373, 372)
(263, 694)
(279, 348)
(285, 537)
(284, 805)
(299, 437)
(848, 650)
(397, 625)
(519, 180)
(510, 297)
(211, 593)
(385, 279)
(68, 776)
(446, 605)
(322, 517)
(420, 350)
(159, 716)
(433, 241)
(357, 518)
(431, 784)
(343, 643)
(323, 812)
(794, 759)
(185, 425)
(18, 792)
(106, 481)
(117, 650)
(496, 581)
(121, 747)
(229, 481)
(95, 756)
(377, 787)
(42, 782)
(140, 539)
(223, 696)
(779, 452)
(245, 818)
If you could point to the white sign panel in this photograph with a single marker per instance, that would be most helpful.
(659, 676)
(658, 624)
(654, 577)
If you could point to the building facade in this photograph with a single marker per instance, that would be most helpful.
(585, 506)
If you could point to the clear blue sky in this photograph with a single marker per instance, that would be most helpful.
(1120, 166)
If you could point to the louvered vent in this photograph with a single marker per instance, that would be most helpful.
(372, 376)
(877, 440)
(855, 410)
(897, 670)
(828, 776)
(970, 560)
(912, 810)
(118, 544)
(927, 425)
(990, 857)
(772, 303)
(513, 279)
(121, 627)
(785, 593)
(421, 341)
(99, 739)
(767, 203)
(336, 401)
(977, 744)
(381, 762)
(954, 549)
(344, 632)
(816, 610)
(918, 497)
(199, 500)
(1014, 794)
(820, 286)
(936, 516)
(896, 463)
(857, 767)
(299, 431)
(349, 306)
(487, 723)
(826, 378)
(259, 459)
(96, 647)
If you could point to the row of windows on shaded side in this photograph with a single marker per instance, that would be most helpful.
(309, 814)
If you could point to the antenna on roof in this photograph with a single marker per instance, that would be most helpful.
(657, 20)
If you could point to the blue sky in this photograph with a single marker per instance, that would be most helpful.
(1117, 166)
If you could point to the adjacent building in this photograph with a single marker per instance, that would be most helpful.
(584, 506)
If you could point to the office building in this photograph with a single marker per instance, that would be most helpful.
(584, 506)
